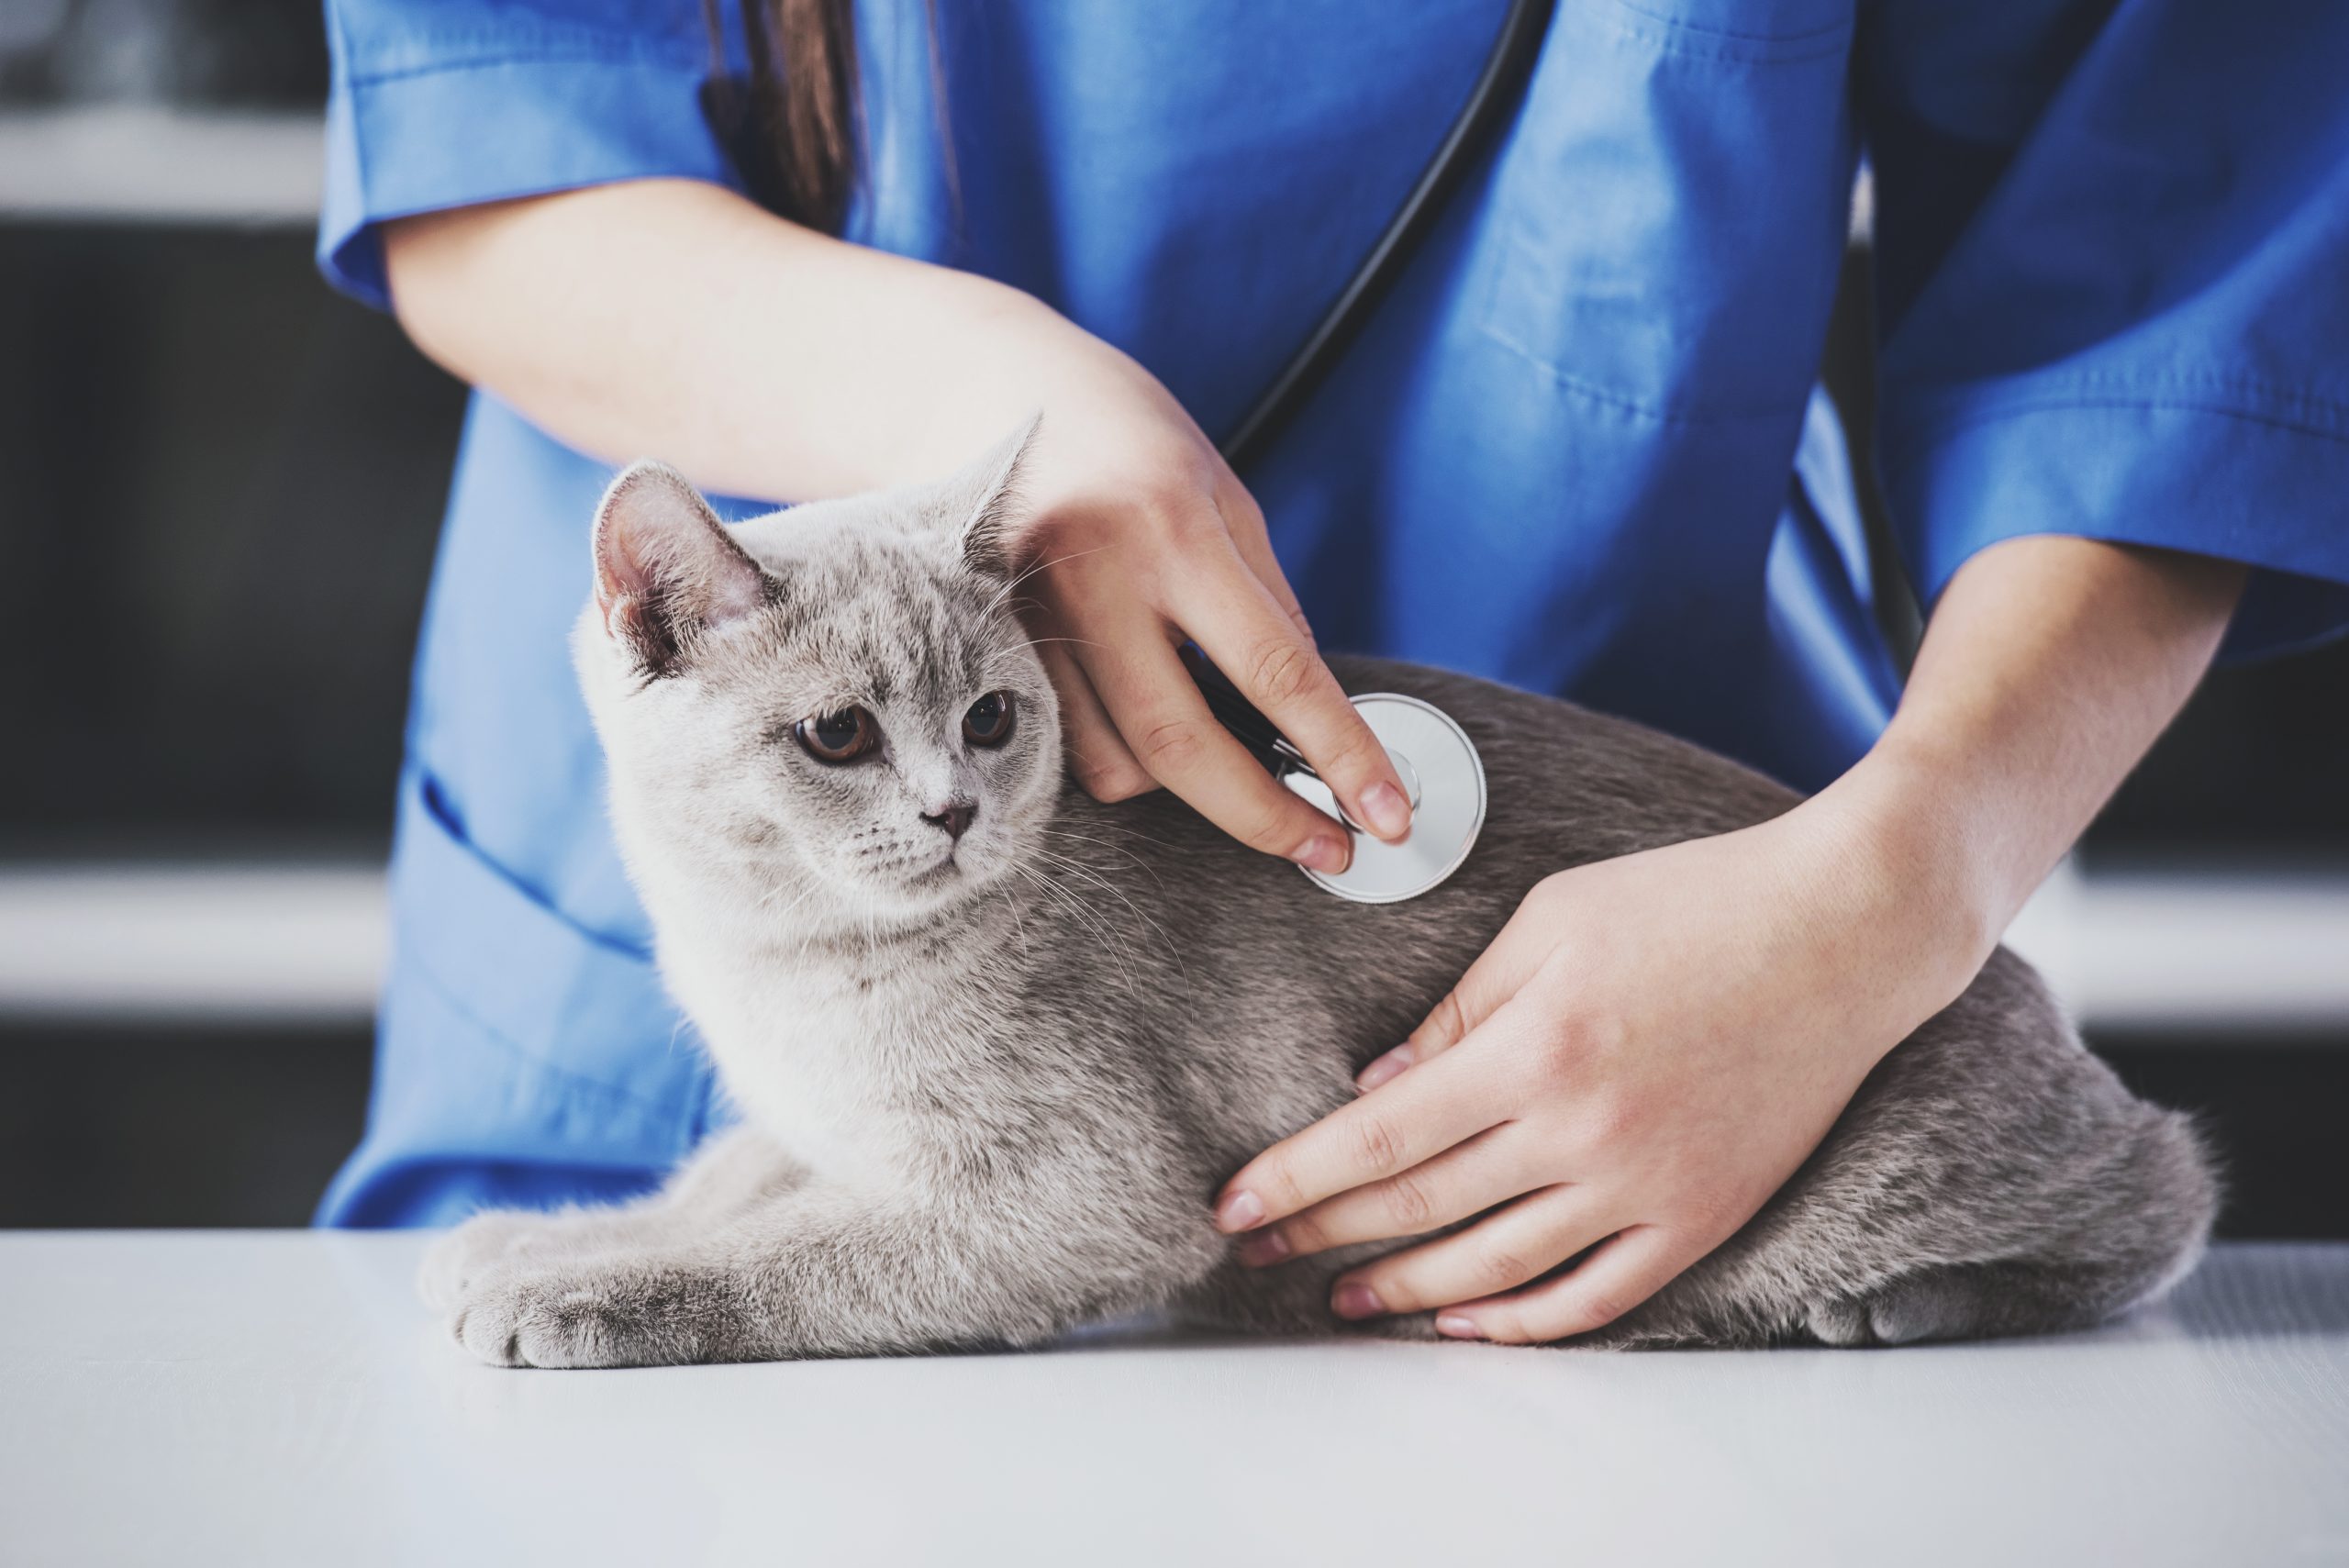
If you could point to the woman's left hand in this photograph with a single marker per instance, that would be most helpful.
(1648, 1050)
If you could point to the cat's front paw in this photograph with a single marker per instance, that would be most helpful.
(579, 1317)
(458, 1259)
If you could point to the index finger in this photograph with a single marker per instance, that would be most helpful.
(1165, 722)
(1416, 1119)
(1245, 523)
(1235, 620)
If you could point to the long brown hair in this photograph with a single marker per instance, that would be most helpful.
(793, 134)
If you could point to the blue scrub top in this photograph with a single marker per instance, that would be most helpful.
(1580, 449)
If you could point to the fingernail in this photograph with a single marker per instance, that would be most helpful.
(1264, 1247)
(1325, 854)
(1455, 1327)
(1353, 1300)
(1388, 813)
(1239, 1211)
(1385, 1068)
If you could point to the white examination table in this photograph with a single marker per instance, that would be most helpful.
(263, 1398)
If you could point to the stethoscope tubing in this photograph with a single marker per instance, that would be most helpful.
(1498, 90)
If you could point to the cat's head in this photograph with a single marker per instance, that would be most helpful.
(835, 705)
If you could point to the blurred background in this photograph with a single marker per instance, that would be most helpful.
(219, 488)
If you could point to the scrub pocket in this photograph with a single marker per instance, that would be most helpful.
(521, 1059)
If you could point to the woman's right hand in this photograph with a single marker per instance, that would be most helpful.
(1139, 536)
(674, 318)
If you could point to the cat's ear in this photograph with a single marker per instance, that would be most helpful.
(666, 569)
(984, 501)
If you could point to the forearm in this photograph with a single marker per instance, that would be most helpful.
(674, 318)
(2051, 665)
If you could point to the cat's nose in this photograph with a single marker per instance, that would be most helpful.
(956, 818)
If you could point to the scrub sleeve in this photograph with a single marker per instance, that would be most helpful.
(438, 104)
(2113, 278)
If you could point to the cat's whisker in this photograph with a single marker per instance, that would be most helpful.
(1123, 831)
(1148, 869)
(1081, 869)
(1043, 565)
(1086, 916)
(1167, 941)
(995, 660)
(1018, 919)
(805, 894)
(1040, 641)
(1011, 607)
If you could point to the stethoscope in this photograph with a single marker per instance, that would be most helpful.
(1441, 775)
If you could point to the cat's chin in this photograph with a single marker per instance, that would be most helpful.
(952, 881)
(924, 895)
(936, 884)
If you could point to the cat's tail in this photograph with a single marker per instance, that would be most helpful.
(2164, 1203)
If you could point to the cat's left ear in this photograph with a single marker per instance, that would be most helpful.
(667, 571)
(983, 500)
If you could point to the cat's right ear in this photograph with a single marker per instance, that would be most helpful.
(984, 499)
(667, 571)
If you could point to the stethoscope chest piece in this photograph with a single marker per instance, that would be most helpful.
(1445, 780)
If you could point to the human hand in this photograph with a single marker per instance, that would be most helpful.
(1650, 1048)
(1138, 536)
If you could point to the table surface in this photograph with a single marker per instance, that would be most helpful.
(261, 1397)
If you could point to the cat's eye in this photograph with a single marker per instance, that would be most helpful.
(841, 737)
(988, 722)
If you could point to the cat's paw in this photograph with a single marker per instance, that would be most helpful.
(1967, 1301)
(575, 1318)
(459, 1257)
(1940, 1304)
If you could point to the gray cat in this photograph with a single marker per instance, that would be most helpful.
(996, 1044)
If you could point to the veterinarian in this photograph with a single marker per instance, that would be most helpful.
(1579, 448)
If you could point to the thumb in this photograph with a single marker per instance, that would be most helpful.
(1490, 982)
